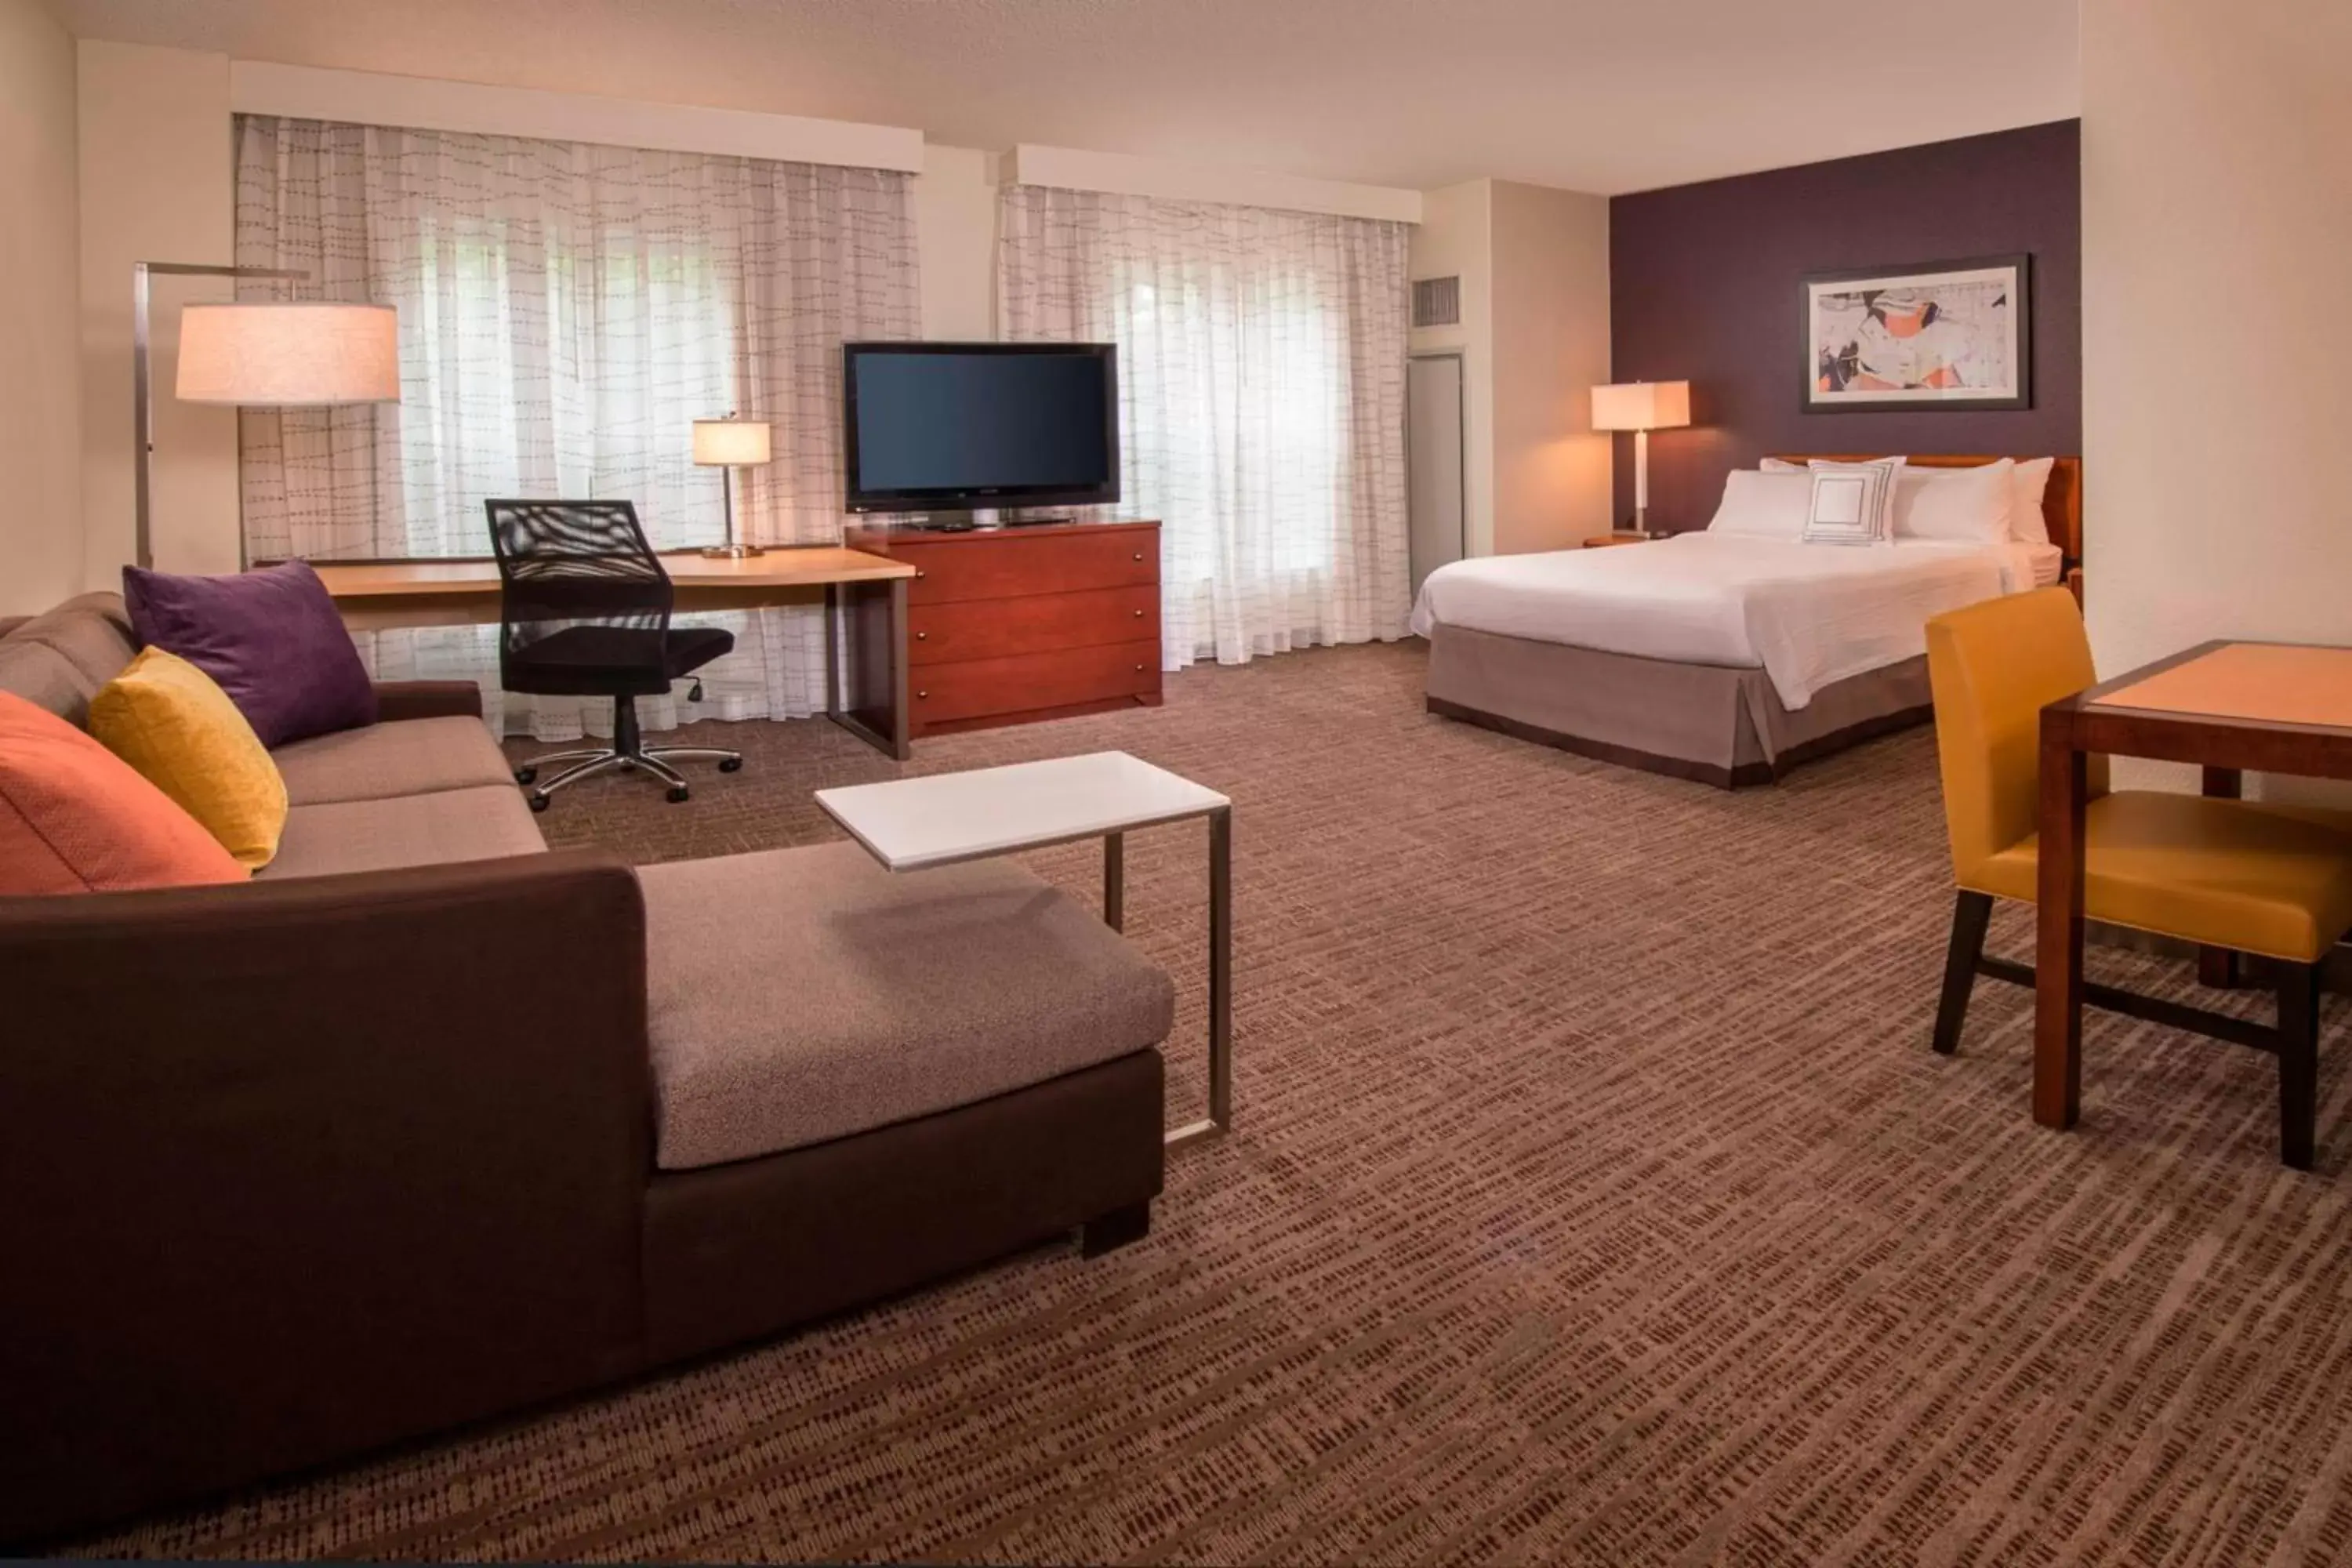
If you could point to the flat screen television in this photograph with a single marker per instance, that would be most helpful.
(953, 426)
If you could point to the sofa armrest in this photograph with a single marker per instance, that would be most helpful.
(305, 1167)
(399, 700)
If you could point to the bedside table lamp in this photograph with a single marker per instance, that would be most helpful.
(1642, 406)
(730, 444)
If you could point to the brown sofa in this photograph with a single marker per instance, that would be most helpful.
(428, 1123)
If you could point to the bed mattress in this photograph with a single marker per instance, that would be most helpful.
(1809, 615)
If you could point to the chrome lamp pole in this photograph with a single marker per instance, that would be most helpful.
(142, 395)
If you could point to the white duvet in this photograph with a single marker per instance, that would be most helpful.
(1809, 615)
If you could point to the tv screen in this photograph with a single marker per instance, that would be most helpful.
(950, 426)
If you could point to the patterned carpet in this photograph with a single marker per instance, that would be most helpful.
(1596, 1199)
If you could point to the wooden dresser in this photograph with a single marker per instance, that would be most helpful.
(1011, 624)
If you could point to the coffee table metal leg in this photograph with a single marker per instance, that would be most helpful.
(1115, 881)
(1221, 985)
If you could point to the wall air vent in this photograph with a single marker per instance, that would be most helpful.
(1437, 302)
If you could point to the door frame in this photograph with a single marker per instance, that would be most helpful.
(1461, 359)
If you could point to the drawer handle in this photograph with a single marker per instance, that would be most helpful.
(1139, 555)
(1139, 614)
(925, 636)
(918, 574)
(1138, 669)
(920, 695)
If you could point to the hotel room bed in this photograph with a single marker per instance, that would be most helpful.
(1721, 658)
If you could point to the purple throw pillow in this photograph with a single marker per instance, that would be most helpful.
(271, 638)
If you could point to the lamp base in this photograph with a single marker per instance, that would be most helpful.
(732, 551)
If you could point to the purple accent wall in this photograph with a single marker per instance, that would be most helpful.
(1704, 287)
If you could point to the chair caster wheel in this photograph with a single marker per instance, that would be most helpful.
(526, 775)
(731, 764)
(678, 793)
(538, 801)
(694, 692)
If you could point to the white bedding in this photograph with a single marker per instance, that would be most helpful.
(1809, 615)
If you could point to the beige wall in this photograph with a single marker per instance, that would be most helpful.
(955, 239)
(2217, 231)
(1456, 238)
(155, 186)
(1553, 472)
(41, 412)
(1534, 340)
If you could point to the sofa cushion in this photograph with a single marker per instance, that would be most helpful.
(336, 837)
(174, 724)
(75, 818)
(272, 638)
(414, 756)
(799, 995)
(58, 660)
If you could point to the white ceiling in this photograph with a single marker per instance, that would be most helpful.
(1594, 95)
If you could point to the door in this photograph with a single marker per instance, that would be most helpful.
(1434, 461)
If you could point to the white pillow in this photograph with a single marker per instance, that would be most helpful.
(2027, 524)
(1852, 503)
(1765, 506)
(1967, 504)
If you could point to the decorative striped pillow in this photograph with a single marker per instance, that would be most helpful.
(1853, 503)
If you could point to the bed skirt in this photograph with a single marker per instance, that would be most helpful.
(1713, 723)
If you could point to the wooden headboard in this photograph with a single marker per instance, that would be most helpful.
(2061, 502)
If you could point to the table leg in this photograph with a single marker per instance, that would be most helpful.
(1221, 985)
(876, 710)
(2218, 966)
(902, 709)
(833, 650)
(1115, 881)
(1220, 968)
(2058, 920)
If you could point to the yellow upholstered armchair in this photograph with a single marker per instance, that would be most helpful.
(2272, 881)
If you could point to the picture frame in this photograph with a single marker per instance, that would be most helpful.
(1954, 335)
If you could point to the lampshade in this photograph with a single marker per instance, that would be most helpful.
(1642, 406)
(730, 443)
(290, 356)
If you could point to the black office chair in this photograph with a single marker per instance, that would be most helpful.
(584, 609)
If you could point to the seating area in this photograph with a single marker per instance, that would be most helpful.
(2233, 877)
(429, 1124)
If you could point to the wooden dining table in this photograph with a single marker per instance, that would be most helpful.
(2231, 708)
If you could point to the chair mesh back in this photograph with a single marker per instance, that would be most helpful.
(567, 564)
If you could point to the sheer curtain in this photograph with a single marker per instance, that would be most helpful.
(567, 311)
(1262, 367)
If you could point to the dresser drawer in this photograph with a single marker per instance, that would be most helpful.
(1038, 623)
(1024, 682)
(1003, 565)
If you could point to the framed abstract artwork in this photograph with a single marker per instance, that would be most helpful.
(1953, 334)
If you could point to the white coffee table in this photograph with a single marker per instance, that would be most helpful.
(911, 825)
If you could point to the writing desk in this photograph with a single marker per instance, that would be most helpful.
(2230, 708)
(863, 596)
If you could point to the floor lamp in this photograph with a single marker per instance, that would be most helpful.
(1642, 406)
(301, 355)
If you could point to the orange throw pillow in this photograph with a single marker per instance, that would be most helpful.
(76, 818)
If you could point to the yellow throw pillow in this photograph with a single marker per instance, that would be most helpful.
(174, 723)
